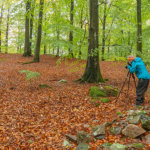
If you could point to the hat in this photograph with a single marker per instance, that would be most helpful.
(131, 58)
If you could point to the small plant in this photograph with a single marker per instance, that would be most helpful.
(30, 75)
(119, 113)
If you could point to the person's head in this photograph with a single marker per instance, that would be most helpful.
(130, 58)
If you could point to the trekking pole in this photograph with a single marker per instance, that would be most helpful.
(122, 86)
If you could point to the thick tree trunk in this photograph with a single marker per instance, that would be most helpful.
(139, 27)
(7, 31)
(38, 41)
(27, 51)
(71, 32)
(104, 26)
(1, 28)
(92, 70)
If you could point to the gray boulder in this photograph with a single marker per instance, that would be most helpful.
(83, 137)
(145, 121)
(83, 146)
(117, 146)
(135, 119)
(98, 130)
(133, 131)
(115, 130)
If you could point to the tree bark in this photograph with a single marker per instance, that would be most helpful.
(7, 31)
(31, 25)
(1, 28)
(139, 27)
(58, 32)
(71, 32)
(104, 26)
(38, 41)
(45, 47)
(92, 70)
(27, 51)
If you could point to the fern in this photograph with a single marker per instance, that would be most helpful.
(30, 74)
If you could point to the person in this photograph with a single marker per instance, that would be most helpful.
(137, 66)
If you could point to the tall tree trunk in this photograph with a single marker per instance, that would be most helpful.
(31, 25)
(27, 51)
(38, 41)
(71, 32)
(92, 70)
(7, 31)
(45, 47)
(104, 26)
(58, 41)
(139, 27)
(1, 28)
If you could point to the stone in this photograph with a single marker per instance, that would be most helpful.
(135, 145)
(86, 125)
(115, 130)
(62, 81)
(135, 119)
(100, 137)
(145, 122)
(96, 92)
(83, 146)
(98, 130)
(66, 143)
(117, 146)
(111, 91)
(133, 131)
(106, 145)
(83, 137)
(147, 139)
(71, 138)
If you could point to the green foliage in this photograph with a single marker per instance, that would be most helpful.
(30, 74)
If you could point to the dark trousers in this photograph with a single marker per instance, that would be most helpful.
(140, 90)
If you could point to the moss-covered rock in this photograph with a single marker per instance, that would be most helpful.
(105, 100)
(136, 145)
(96, 92)
(111, 91)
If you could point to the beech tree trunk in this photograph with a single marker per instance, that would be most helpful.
(31, 25)
(1, 28)
(71, 32)
(139, 27)
(27, 51)
(104, 26)
(7, 31)
(38, 41)
(92, 70)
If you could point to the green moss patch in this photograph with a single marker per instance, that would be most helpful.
(105, 100)
(96, 92)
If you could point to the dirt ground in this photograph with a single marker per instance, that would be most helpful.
(35, 118)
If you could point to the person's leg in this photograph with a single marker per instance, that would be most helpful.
(140, 90)
(146, 83)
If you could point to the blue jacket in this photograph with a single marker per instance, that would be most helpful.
(138, 66)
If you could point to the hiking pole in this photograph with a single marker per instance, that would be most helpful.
(122, 86)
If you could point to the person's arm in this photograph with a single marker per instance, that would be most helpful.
(132, 67)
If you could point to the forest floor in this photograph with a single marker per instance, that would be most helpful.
(35, 118)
